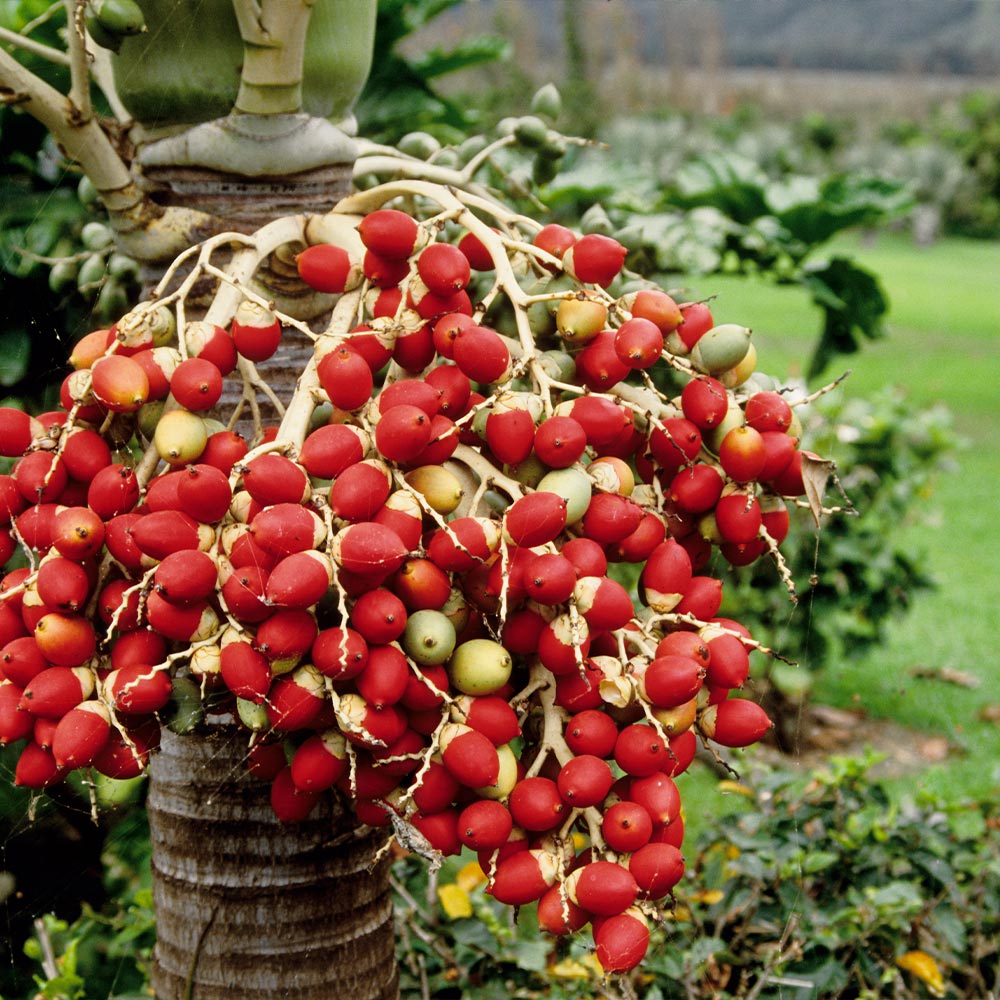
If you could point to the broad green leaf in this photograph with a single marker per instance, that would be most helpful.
(473, 52)
(15, 354)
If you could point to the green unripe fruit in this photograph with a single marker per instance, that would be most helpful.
(573, 485)
(547, 103)
(429, 637)
(87, 192)
(721, 348)
(252, 716)
(595, 220)
(100, 35)
(96, 236)
(120, 17)
(91, 273)
(419, 144)
(186, 710)
(480, 667)
(558, 365)
(112, 300)
(530, 131)
(180, 437)
(123, 267)
(62, 277)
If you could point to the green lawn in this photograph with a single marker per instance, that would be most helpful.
(943, 346)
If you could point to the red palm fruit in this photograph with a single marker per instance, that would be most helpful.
(696, 320)
(621, 941)
(119, 383)
(331, 449)
(120, 543)
(186, 577)
(379, 616)
(639, 751)
(490, 715)
(639, 546)
(598, 365)
(559, 441)
(730, 661)
(114, 490)
(702, 599)
(463, 543)
(402, 513)
(11, 500)
(223, 450)
(375, 348)
(453, 389)
(161, 492)
(196, 384)
(299, 580)
(435, 789)
(554, 239)
(535, 519)
(51, 693)
(738, 518)
(391, 233)
(204, 493)
(604, 603)
(40, 476)
(211, 343)
(178, 622)
(139, 645)
(245, 671)
(476, 252)
(369, 549)
(561, 641)
(595, 259)
(368, 781)
(286, 637)
(675, 445)
(431, 307)
(340, 653)
(657, 794)
(549, 578)
(742, 454)
(241, 548)
(44, 730)
(81, 734)
(255, 330)
(774, 517)
(8, 546)
(586, 555)
(346, 378)
(481, 354)
(288, 527)
(365, 725)
(409, 392)
(383, 272)
(768, 411)
(443, 268)
(62, 584)
(584, 781)
(372, 812)
(327, 268)
(17, 431)
(421, 585)
(296, 699)
(705, 402)
(638, 343)
(440, 829)
(65, 640)
(522, 629)
(11, 623)
(21, 660)
(15, 723)
(602, 887)
(779, 448)
(243, 593)
(735, 722)
(602, 420)
(291, 804)
(591, 732)
(656, 305)
(319, 762)
(386, 304)
(85, 453)
(510, 433)
(124, 757)
(523, 877)
(696, 489)
(265, 759)
(469, 756)
(402, 432)
(684, 644)
(559, 915)
(536, 805)
(485, 825)
(672, 680)
(164, 531)
(413, 349)
(36, 768)
(446, 328)
(384, 679)
(626, 826)
(274, 479)
(610, 518)
(789, 482)
(360, 491)
(657, 868)
(403, 756)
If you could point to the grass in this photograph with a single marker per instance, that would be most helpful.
(943, 347)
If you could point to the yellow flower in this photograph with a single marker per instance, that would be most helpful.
(569, 968)
(924, 968)
(454, 901)
(707, 896)
(469, 876)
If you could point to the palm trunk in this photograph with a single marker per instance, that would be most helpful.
(247, 907)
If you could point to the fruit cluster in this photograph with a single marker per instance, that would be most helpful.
(464, 580)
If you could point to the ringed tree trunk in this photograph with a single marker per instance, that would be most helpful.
(236, 131)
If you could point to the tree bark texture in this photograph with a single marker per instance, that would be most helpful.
(248, 907)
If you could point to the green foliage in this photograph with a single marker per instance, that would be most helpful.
(858, 573)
